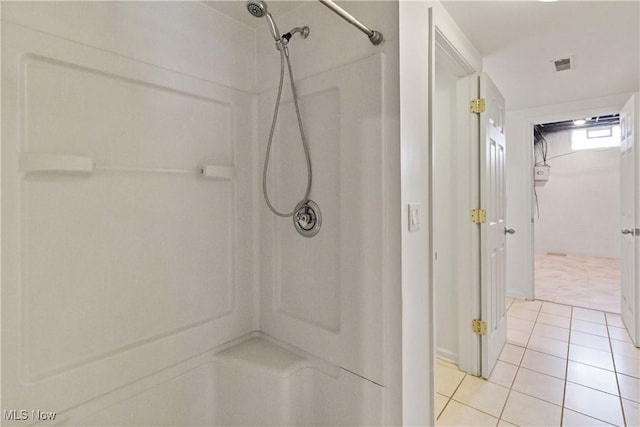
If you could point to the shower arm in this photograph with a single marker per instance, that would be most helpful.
(374, 36)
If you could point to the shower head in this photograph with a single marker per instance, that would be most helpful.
(258, 8)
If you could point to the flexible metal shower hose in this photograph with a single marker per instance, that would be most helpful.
(305, 146)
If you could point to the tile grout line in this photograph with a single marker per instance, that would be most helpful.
(615, 371)
(566, 372)
(504, 406)
(520, 367)
(452, 394)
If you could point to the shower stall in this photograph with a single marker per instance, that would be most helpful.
(145, 281)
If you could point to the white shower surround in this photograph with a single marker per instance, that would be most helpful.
(129, 292)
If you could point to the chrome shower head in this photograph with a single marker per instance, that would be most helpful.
(257, 8)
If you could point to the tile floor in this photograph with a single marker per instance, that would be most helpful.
(561, 366)
(580, 281)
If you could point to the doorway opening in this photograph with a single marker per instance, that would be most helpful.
(577, 212)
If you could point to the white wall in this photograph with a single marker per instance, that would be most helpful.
(445, 166)
(579, 207)
(417, 295)
(117, 274)
(520, 202)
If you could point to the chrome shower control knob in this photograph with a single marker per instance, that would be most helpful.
(307, 218)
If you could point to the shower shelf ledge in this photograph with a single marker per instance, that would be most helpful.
(70, 164)
(45, 162)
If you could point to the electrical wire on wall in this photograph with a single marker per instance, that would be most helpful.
(540, 144)
(541, 147)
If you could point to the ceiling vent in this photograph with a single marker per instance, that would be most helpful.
(563, 64)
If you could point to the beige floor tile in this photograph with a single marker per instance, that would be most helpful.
(503, 423)
(482, 395)
(440, 402)
(521, 325)
(594, 403)
(629, 387)
(612, 305)
(589, 315)
(589, 356)
(626, 349)
(548, 346)
(545, 363)
(631, 412)
(552, 319)
(592, 341)
(536, 360)
(522, 313)
(555, 309)
(614, 320)
(523, 410)
(589, 327)
(550, 331)
(457, 414)
(511, 354)
(539, 385)
(574, 419)
(517, 338)
(503, 374)
(627, 365)
(590, 376)
(619, 334)
(579, 281)
(447, 379)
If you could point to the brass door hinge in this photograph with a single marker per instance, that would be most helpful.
(479, 327)
(479, 216)
(478, 105)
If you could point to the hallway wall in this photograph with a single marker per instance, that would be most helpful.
(446, 166)
(579, 207)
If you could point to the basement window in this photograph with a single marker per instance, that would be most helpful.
(593, 138)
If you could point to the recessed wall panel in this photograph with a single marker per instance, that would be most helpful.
(325, 294)
(308, 283)
(115, 259)
(120, 121)
(133, 262)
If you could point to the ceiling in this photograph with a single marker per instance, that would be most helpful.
(237, 10)
(519, 40)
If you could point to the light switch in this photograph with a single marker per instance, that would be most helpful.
(414, 216)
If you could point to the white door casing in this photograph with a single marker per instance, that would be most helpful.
(630, 217)
(493, 231)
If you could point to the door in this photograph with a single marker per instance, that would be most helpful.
(630, 217)
(493, 230)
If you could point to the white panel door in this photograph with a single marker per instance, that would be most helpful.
(630, 217)
(492, 232)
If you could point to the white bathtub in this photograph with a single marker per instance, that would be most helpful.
(253, 382)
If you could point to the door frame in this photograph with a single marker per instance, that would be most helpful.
(564, 113)
(446, 36)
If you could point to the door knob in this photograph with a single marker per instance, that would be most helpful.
(509, 231)
(627, 231)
